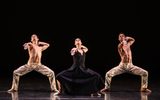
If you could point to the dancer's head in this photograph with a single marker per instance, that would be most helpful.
(121, 37)
(34, 39)
(77, 41)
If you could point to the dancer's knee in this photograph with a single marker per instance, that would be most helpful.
(145, 73)
(108, 74)
(15, 73)
(51, 74)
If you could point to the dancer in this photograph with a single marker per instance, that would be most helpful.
(35, 48)
(78, 79)
(126, 65)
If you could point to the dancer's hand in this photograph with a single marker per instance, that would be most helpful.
(73, 51)
(25, 45)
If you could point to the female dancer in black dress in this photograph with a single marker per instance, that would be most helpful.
(79, 80)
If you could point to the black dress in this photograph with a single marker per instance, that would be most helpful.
(79, 80)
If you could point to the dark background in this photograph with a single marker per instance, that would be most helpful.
(97, 23)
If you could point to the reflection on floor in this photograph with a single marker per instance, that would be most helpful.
(39, 90)
(32, 95)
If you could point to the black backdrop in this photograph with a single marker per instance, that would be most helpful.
(96, 23)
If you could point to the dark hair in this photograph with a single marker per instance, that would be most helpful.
(78, 38)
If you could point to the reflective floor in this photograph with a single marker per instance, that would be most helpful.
(26, 95)
(39, 90)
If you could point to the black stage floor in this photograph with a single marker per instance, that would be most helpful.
(38, 89)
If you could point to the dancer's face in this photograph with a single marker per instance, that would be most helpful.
(34, 38)
(121, 37)
(78, 41)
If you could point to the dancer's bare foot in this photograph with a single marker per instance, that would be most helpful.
(56, 92)
(12, 90)
(146, 90)
(104, 90)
